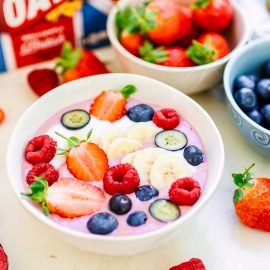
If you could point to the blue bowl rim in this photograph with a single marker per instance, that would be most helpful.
(226, 78)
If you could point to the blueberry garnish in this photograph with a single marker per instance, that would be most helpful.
(193, 155)
(120, 204)
(140, 113)
(246, 99)
(146, 193)
(102, 223)
(244, 81)
(137, 219)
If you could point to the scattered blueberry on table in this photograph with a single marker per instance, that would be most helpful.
(252, 94)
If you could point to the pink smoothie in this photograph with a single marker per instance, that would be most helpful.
(79, 224)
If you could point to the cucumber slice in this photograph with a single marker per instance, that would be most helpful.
(75, 119)
(171, 140)
(164, 210)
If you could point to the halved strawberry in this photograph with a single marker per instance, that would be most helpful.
(67, 197)
(85, 160)
(111, 105)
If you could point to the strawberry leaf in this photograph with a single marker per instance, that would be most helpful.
(151, 54)
(200, 4)
(200, 53)
(238, 195)
(238, 179)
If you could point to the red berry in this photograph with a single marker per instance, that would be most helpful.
(40, 149)
(3, 259)
(42, 170)
(43, 80)
(122, 178)
(166, 118)
(192, 264)
(185, 191)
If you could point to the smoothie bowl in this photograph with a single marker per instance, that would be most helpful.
(115, 164)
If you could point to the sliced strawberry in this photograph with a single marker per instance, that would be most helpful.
(111, 105)
(43, 80)
(87, 162)
(67, 197)
(73, 198)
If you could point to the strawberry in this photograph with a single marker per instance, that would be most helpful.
(43, 80)
(170, 21)
(212, 15)
(75, 63)
(2, 116)
(192, 264)
(131, 41)
(209, 47)
(67, 197)
(252, 200)
(111, 105)
(187, 40)
(165, 56)
(3, 259)
(268, 5)
(85, 160)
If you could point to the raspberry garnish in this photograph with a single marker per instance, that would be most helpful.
(192, 264)
(166, 119)
(40, 149)
(122, 178)
(185, 191)
(42, 170)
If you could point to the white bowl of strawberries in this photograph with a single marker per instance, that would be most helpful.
(184, 46)
(115, 164)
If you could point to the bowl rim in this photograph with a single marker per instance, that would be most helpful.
(81, 235)
(246, 34)
(226, 78)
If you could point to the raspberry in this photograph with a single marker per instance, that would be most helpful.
(122, 178)
(192, 264)
(3, 259)
(40, 149)
(42, 170)
(166, 119)
(185, 191)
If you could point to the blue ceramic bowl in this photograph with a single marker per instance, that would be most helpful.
(247, 61)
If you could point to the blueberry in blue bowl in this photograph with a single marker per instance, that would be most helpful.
(266, 69)
(245, 81)
(246, 99)
(262, 90)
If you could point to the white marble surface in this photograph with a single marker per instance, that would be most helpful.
(215, 235)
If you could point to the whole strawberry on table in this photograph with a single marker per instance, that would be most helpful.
(164, 32)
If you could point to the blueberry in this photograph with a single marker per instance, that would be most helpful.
(146, 193)
(246, 99)
(137, 219)
(102, 223)
(256, 116)
(120, 204)
(193, 155)
(266, 115)
(140, 113)
(244, 81)
(266, 69)
(263, 90)
(255, 78)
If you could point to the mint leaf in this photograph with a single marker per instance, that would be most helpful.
(88, 135)
(238, 195)
(73, 141)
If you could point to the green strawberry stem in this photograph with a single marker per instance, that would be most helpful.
(151, 54)
(39, 192)
(128, 90)
(72, 142)
(200, 4)
(243, 181)
(68, 59)
(201, 54)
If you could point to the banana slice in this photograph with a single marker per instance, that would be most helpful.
(122, 146)
(144, 160)
(142, 132)
(129, 158)
(108, 136)
(167, 168)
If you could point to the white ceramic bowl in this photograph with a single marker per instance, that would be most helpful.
(189, 80)
(149, 90)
